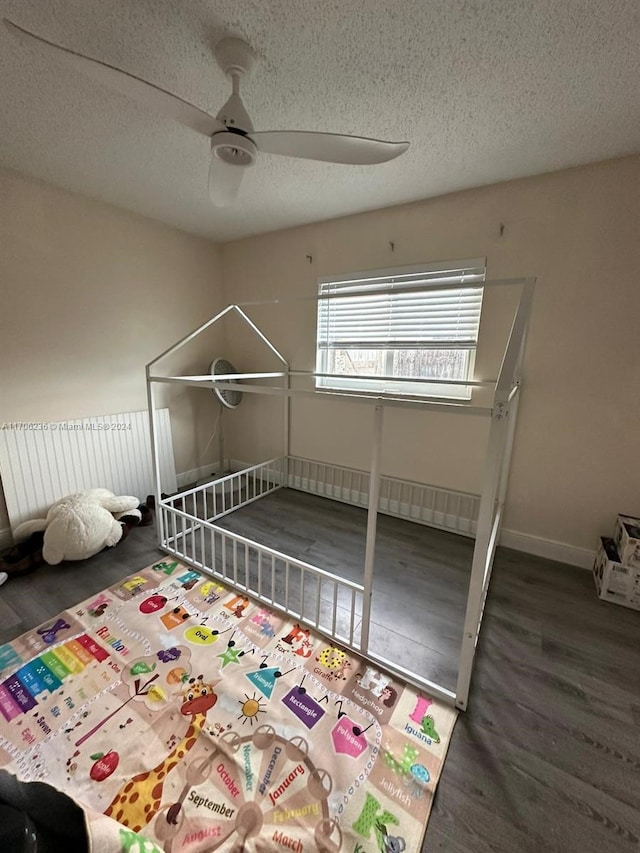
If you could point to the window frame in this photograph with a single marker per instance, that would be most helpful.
(388, 385)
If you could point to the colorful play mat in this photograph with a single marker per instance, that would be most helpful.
(204, 721)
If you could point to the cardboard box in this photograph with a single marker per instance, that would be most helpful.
(627, 539)
(615, 582)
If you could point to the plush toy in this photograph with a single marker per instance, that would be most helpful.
(78, 526)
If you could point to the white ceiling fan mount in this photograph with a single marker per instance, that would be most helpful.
(236, 60)
(235, 57)
(235, 145)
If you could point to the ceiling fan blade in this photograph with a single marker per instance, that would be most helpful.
(330, 147)
(121, 81)
(224, 182)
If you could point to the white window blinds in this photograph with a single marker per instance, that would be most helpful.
(379, 330)
(417, 309)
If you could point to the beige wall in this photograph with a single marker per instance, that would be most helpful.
(90, 294)
(575, 459)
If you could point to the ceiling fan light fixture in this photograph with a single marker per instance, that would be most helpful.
(233, 149)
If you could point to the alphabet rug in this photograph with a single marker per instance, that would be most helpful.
(183, 716)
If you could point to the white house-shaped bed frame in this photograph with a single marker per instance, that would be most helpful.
(335, 607)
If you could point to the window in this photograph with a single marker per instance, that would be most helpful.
(408, 323)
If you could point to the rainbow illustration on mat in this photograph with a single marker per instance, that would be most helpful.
(47, 672)
(205, 721)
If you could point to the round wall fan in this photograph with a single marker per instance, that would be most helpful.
(229, 397)
(234, 143)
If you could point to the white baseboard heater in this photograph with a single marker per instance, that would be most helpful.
(42, 462)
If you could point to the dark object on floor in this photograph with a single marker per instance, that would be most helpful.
(151, 501)
(36, 818)
(23, 557)
(147, 515)
(129, 521)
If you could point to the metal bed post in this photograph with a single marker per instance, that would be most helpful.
(488, 517)
(287, 428)
(494, 487)
(153, 432)
(372, 523)
(513, 359)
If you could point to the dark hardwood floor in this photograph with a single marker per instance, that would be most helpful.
(420, 581)
(548, 756)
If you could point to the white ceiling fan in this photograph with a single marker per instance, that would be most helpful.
(234, 143)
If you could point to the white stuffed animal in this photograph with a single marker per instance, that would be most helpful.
(78, 526)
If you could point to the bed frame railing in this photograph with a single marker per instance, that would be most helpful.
(433, 506)
(218, 498)
(326, 602)
(335, 607)
(430, 505)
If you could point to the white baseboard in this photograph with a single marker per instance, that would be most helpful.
(548, 548)
(205, 472)
(6, 539)
(195, 474)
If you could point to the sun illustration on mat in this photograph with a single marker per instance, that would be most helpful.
(251, 707)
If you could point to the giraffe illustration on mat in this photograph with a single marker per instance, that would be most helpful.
(139, 799)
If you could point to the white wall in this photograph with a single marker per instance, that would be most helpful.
(90, 294)
(574, 464)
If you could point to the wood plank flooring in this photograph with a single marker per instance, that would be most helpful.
(420, 585)
(548, 756)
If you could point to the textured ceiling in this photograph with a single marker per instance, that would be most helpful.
(485, 90)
